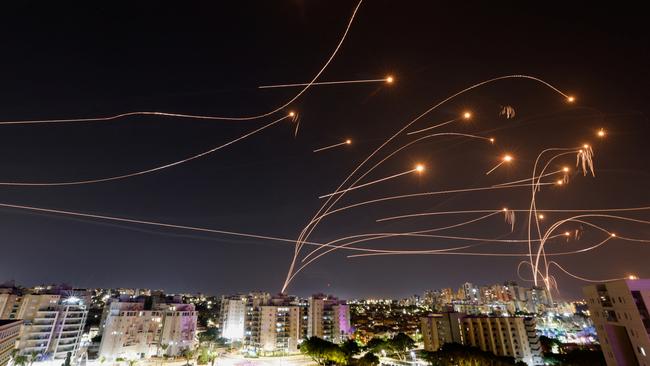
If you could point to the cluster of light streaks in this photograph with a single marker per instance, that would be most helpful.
(537, 239)
(584, 161)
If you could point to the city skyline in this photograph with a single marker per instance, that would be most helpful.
(402, 60)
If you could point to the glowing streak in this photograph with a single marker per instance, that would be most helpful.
(529, 179)
(505, 159)
(583, 278)
(147, 171)
(434, 251)
(314, 221)
(388, 157)
(532, 209)
(432, 127)
(373, 182)
(247, 118)
(576, 218)
(363, 81)
(165, 225)
(346, 142)
(375, 236)
(515, 210)
(422, 194)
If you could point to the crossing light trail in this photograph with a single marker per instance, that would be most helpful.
(150, 170)
(435, 213)
(310, 227)
(466, 116)
(208, 117)
(418, 169)
(387, 80)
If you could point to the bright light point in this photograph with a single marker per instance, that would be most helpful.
(467, 115)
(601, 133)
(571, 99)
(292, 113)
(566, 233)
(565, 169)
(419, 168)
(585, 146)
(541, 216)
(492, 139)
(632, 277)
(389, 79)
(613, 235)
(560, 182)
(507, 158)
(348, 141)
(505, 209)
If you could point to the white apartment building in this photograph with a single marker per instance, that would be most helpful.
(279, 330)
(504, 336)
(328, 318)
(233, 317)
(131, 330)
(620, 311)
(52, 324)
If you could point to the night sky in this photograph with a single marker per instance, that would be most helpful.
(63, 61)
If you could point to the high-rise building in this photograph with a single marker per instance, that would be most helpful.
(139, 328)
(232, 317)
(53, 322)
(438, 329)
(620, 311)
(9, 331)
(504, 336)
(275, 326)
(329, 318)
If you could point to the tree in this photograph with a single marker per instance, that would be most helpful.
(350, 348)
(376, 345)
(323, 352)
(20, 360)
(188, 355)
(132, 362)
(369, 359)
(209, 336)
(400, 344)
(34, 356)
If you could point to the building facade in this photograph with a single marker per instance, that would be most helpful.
(620, 311)
(232, 320)
(139, 329)
(328, 318)
(53, 323)
(504, 336)
(9, 331)
(438, 329)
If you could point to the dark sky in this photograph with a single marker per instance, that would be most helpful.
(62, 60)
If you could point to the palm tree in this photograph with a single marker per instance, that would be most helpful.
(20, 360)
(32, 357)
(188, 355)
